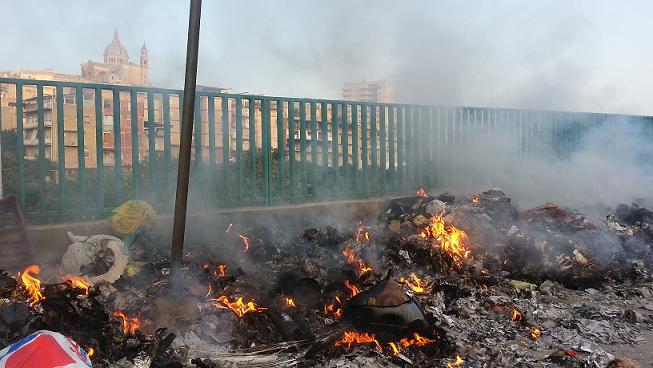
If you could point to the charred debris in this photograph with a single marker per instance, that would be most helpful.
(444, 281)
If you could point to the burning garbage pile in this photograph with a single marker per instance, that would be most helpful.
(444, 281)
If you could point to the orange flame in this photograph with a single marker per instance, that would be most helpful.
(458, 363)
(354, 290)
(450, 238)
(362, 234)
(290, 303)
(78, 282)
(331, 308)
(351, 258)
(90, 353)
(229, 228)
(422, 193)
(129, 324)
(416, 340)
(475, 198)
(535, 333)
(32, 284)
(516, 314)
(358, 338)
(245, 241)
(221, 271)
(414, 283)
(237, 306)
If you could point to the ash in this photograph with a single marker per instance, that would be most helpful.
(490, 286)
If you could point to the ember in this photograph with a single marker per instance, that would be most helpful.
(535, 333)
(221, 271)
(359, 338)
(78, 282)
(475, 198)
(414, 283)
(354, 290)
(129, 324)
(290, 303)
(422, 193)
(229, 228)
(516, 314)
(395, 348)
(351, 258)
(449, 238)
(90, 352)
(245, 241)
(237, 306)
(32, 284)
(458, 363)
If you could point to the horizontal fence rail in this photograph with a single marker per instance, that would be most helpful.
(77, 150)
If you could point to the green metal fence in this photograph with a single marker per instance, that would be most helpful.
(80, 149)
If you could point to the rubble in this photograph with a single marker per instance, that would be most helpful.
(444, 281)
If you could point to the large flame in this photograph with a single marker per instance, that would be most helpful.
(331, 308)
(237, 306)
(414, 283)
(129, 324)
(33, 284)
(450, 238)
(416, 340)
(354, 290)
(78, 282)
(352, 337)
(360, 265)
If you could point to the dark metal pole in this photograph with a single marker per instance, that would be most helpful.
(192, 46)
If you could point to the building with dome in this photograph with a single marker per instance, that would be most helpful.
(116, 68)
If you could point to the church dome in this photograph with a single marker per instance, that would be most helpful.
(115, 52)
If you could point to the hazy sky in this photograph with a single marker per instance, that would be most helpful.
(556, 54)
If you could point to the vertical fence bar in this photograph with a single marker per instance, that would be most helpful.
(167, 144)
(391, 141)
(267, 149)
(383, 150)
(345, 144)
(151, 147)
(373, 148)
(281, 144)
(61, 148)
(99, 148)
(41, 139)
(354, 151)
(81, 164)
(325, 144)
(314, 180)
(302, 147)
(239, 147)
(226, 132)
(213, 165)
(20, 145)
(252, 145)
(133, 96)
(364, 151)
(335, 136)
(401, 146)
(291, 147)
(198, 132)
(117, 147)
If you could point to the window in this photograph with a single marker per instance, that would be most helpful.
(87, 154)
(107, 103)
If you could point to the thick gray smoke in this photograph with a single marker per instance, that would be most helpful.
(609, 163)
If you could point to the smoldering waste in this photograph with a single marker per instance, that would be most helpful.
(444, 281)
